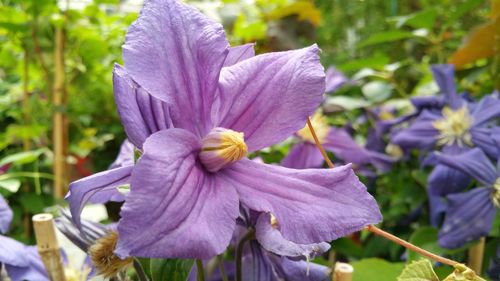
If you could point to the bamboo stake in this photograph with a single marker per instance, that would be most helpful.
(475, 259)
(48, 247)
(342, 272)
(58, 118)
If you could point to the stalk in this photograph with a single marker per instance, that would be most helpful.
(239, 252)
(475, 258)
(200, 272)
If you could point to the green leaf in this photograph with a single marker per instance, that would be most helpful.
(385, 37)
(377, 91)
(170, 269)
(426, 238)
(347, 103)
(422, 19)
(11, 185)
(32, 202)
(22, 157)
(373, 269)
(463, 273)
(418, 271)
(462, 9)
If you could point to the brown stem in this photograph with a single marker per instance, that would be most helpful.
(377, 230)
(475, 257)
(318, 144)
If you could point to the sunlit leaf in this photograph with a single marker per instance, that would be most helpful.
(386, 37)
(305, 10)
(377, 91)
(418, 271)
(463, 273)
(374, 269)
(11, 185)
(22, 157)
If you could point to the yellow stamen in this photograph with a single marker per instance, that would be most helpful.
(221, 147)
(454, 127)
(104, 259)
(495, 196)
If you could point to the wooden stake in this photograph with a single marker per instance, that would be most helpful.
(475, 259)
(48, 247)
(342, 272)
(58, 117)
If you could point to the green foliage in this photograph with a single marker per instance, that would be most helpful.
(170, 269)
(376, 270)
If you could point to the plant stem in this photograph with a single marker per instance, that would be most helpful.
(475, 258)
(318, 144)
(221, 268)
(200, 272)
(379, 231)
(239, 252)
(140, 271)
(410, 246)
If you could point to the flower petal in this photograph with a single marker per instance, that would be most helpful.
(141, 113)
(484, 138)
(269, 97)
(291, 270)
(473, 163)
(344, 147)
(470, 216)
(191, 213)
(444, 180)
(334, 79)
(239, 53)
(444, 75)
(98, 188)
(311, 205)
(257, 265)
(35, 269)
(303, 155)
(126, 156)
(5, 215)
(486, 110)
(420, 134)
(272, 240)
(176, 53)
(12, 252)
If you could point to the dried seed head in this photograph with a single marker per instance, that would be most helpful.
(103, 257)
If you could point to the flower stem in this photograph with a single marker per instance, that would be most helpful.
(200, 271)
(140, 271)
(318, 144)
(377, 230)
(221, 268)
(239, 252)
(410, 246)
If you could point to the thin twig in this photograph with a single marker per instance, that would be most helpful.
(318, 144)
(239, 252)
(379, 231)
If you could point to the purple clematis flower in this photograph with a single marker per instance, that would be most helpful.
(334, 79)
(21, 262)
(195, 120)
(470, 214)
(304, 154)
(456, 128)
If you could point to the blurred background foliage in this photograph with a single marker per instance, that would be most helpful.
(384, 46)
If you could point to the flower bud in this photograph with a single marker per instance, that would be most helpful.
(222, 147)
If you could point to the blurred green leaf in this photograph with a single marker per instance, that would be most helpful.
(347, 247)
(170, 269)
(421, 19)
(347, 103)
(377, 91)
(22, 157)
(32, 202)
(11, 185)
(375, 269)
(425, 237)
(420, 270)
(385, 37)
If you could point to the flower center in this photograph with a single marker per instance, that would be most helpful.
(495, 196)
(454, 127)
(222, 147)
(320, 125)
(103, 257)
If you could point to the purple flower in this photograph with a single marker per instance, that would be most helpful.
(5, 215)
(21, 262)
(304, 153)
(470, 214)
(458, 127)
(334, 80)
(187, 186)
